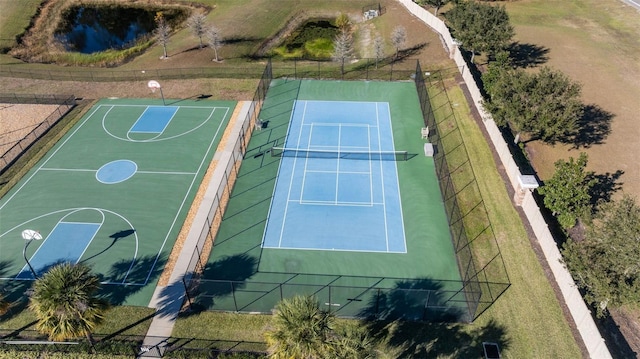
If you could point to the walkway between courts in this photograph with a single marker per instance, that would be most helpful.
(168, 299)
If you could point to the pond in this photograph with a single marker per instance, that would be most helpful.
(313, 39)
(94, 29)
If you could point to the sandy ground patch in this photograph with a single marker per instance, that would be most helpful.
(18, 120)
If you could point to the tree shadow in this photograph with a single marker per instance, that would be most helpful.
(605, 186)
(14, 292)
(409, 52)
(216, 281)
(115, 237)
(126, 278)
(593, 127)
(391, 318)
(527, 55)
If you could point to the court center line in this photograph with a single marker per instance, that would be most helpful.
(145, 172)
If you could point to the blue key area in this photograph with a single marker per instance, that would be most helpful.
(154, 119)
(65, 243)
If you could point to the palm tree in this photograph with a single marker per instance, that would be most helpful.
(300, 329)
(65, 304)
(4, 305)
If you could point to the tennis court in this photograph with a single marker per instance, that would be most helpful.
(332, 171)
(335, 198)
(113, 193)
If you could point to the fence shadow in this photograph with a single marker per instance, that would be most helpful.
(386, 321)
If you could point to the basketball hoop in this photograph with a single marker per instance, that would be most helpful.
(155, 85)
(29, 235)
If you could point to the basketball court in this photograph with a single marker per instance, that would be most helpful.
(113, 193)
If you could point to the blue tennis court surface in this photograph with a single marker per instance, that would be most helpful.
(65, 243)
(154, 119)
(328, 202)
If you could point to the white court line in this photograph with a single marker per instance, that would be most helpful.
(167, 173)
(384, 204)
(187, 106)
(339, 204)
(67, 169)
(370, 166)
(145, 172)
(334, 124)
(335, 250)
(293, 170)
(347, 172)
(338, 164)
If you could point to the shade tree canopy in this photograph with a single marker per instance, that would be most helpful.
(546, 104)
(567, 192)
(606, 263)
(480, 27)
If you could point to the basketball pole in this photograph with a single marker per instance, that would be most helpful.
(24, 254)
(162, 95)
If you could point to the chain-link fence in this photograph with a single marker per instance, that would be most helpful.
(483, 280)
(65, 102)
(480, 261)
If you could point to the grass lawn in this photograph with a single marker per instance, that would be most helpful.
(14, 19)
(596, 43)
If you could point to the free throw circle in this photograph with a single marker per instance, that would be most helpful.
(116, 171)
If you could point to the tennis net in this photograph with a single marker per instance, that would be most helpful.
(339, 154)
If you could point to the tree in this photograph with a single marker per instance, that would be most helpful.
(378, 48)
(566, 193)
(214, 40)
(546, 104)
(342, 48)
(4, 305)
(398, 38)
(65, 303)
(343, 22)
(606, 264)
(162, 32)
(197, 25)
(437, 4)
(300, 329)
(480, 27)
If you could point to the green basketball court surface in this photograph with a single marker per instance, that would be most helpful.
(113, 193)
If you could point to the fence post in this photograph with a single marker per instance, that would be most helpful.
(233, 292)
(186, 292)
